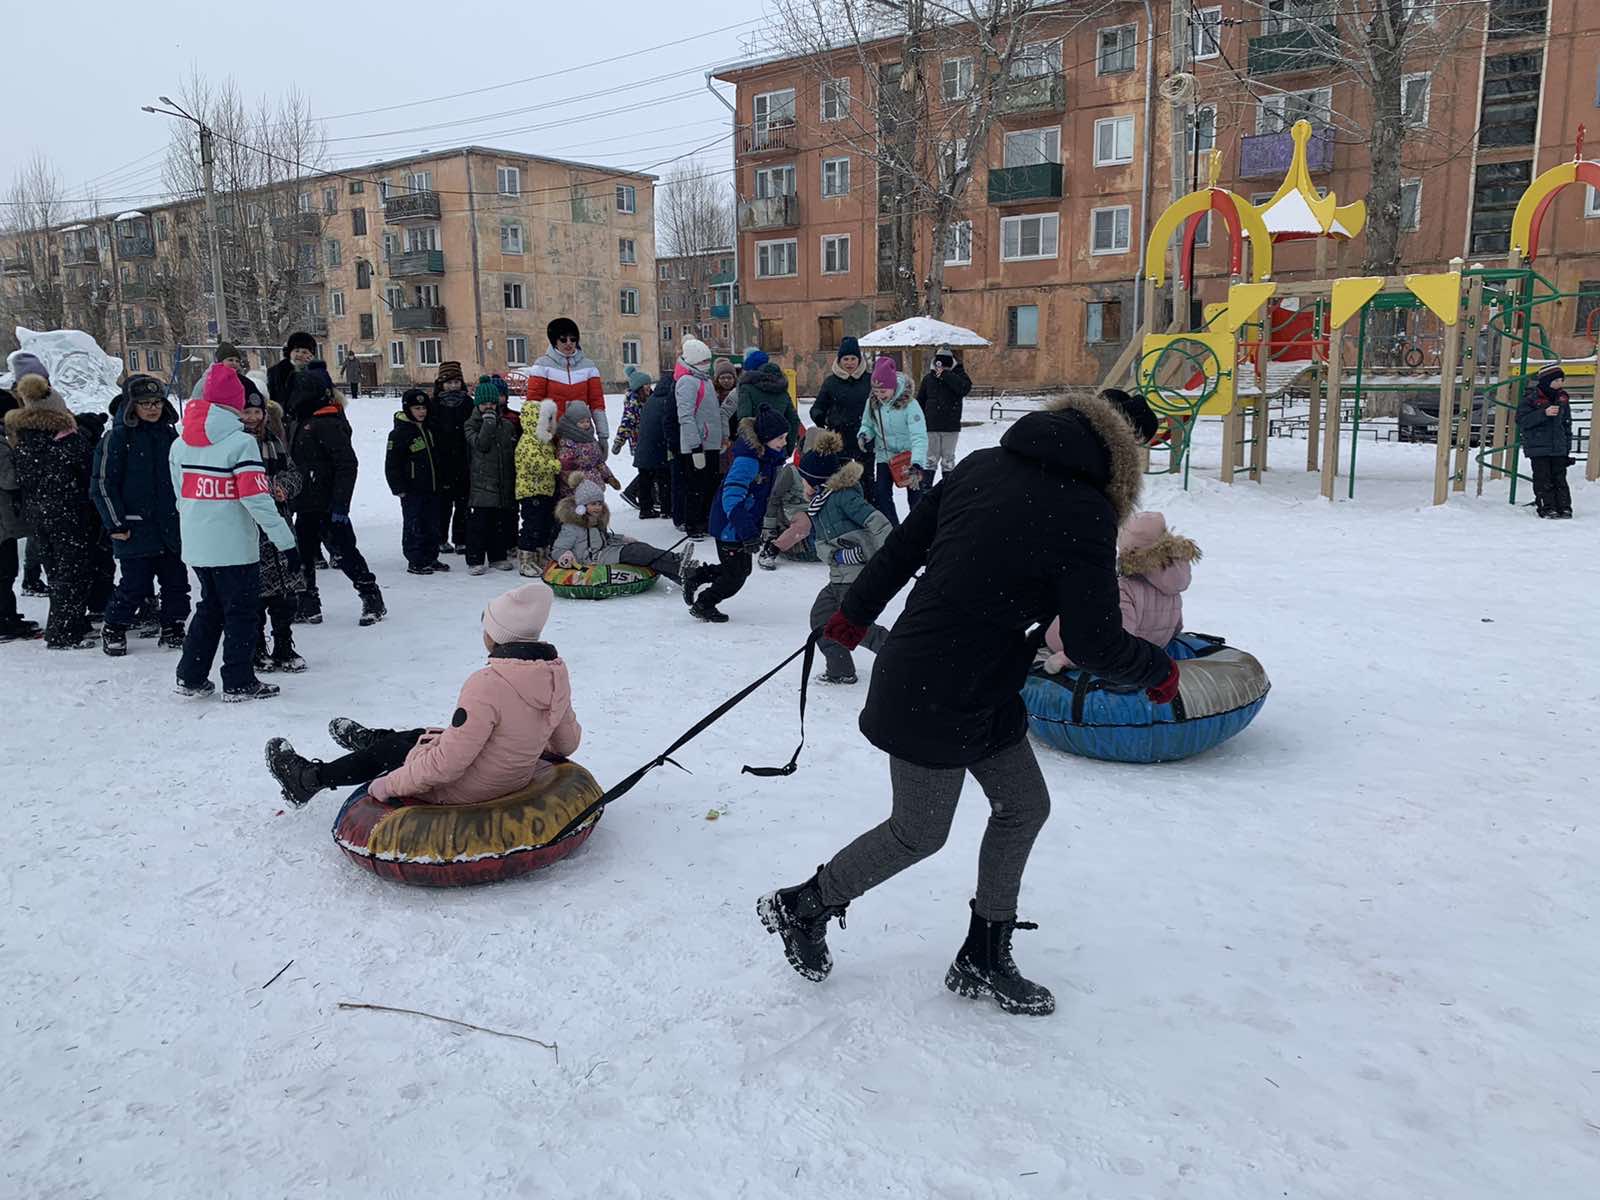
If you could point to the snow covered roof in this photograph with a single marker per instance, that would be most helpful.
(1289, 215)
(1297, 211)
(128, 216)
(921, 331)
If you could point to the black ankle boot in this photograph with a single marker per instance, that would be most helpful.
(297, 776)
(984, 967)
(352, 735)
(799, 916)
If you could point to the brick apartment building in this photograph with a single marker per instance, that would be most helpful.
(694, 298)
(461, 254)
(1047, 260)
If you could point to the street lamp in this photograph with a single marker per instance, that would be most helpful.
(207, 163)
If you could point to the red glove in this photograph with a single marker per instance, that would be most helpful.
(1165, 691)
(847, 633)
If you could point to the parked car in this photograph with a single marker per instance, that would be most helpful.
(1419, 417)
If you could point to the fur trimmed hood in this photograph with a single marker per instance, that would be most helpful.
(846, 477)
(1167, 550)
(861, 369)
(1087, 438)
(52, 421)
(567, 514)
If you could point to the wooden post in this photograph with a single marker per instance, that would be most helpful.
(1319, 368)
(1467, 330)
(1260, 418)
(1508, 355)
(1330, 426)
(1447, 405)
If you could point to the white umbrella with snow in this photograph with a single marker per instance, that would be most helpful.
(917, 332)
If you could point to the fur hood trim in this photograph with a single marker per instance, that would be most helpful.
(861, 369)
(823, 441)
(747, 434)
(1121, 442)
(42, 420)
(846, 477)
(34, 391)
(567, 514)
(1166, 550)
(275, 424)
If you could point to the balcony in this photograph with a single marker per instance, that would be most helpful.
(296, 225)
(1268, 155)
(1012, 185)
(422, 316)
(719, 312)
(411, 206)
(138, 246)
(417, 262)
(769, 212)
(139, 289)
(768, 139)
(308, 274)
(316, 325)
(1035, 93)
(15, 266)
(80, 256)
(1302, 48)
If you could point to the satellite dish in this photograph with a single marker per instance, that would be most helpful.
(1178, 89)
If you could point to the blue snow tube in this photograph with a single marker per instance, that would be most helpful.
(1220, 691)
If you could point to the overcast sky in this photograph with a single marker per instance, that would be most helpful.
(350, 58)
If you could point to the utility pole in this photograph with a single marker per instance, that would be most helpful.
(1181, 42)
(208, 165)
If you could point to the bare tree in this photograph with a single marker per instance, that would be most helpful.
(35, 209)
(694, 218)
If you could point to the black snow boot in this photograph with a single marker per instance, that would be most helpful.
(984, 967)
(172, 636)
(147, 621)
(799, 916)
(284, 658)
(250, 691)
(297, 776)
(309, 610)
(372, 609)
(705, 610)
(114, 640)
(352, 735)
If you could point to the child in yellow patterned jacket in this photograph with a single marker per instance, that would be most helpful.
(538, 468)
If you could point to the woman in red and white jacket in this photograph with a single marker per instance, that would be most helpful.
(564, 373)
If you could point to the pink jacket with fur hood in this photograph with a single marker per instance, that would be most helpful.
(1154, 564)
(509, 713)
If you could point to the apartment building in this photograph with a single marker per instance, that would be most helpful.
(1046, 260)
(462, 254)
(694, 298)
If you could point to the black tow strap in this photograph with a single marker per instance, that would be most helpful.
(807, 653)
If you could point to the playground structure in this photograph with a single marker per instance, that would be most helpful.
(1320, 338)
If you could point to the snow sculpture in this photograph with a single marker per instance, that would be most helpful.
(85, 375)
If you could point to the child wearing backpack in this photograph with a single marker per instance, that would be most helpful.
(740, 508)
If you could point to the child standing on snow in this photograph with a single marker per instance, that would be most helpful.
(538, 470)
(411, 466)
(894, 427)
(1154, 565)
(281, 580)
(639, 385)
(585, 537)
(849, 531)
(579, 449)
(1544, 421)
(492, 434)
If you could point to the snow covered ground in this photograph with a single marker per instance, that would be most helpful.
(1349, 954)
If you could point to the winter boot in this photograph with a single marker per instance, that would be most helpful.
(204, 688)
(503, 564)
(686, 562)
(34, 587)
(799, 916)
(705, 610)
(114, 640)
(84, 641)
(255, 690)
(321, 561)
(284, 657)
(352, 735)
(16, 629)
(528, 564)
(695, 580)
(844, 680)
(984, 968)
(418, 569)
(767, 560)
(446, 548)
(171, 636)
(262, 662)
(372, 609)
(439, 567)
(297, 776)
(309, 611)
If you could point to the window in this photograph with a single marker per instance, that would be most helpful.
(955, 79)
(366, 327)
(627, 198)
(1516, 18)
(340, 353)
(383, 190)
(769, 336)
(419, 181)
(357, 186)
(777, 259)
(630, 352)
(1202, 231)
(1415, 91)
(513, 296)
(835, 99)
(666, 333)
(422, 237)
(1510, 113)
(887, 259)
(152, 360)
(1278, 113)
(1411, 204)
(664, 271)
(626, 253)
(830, 332)
(1113, 141)
(330, 200)
(397, 353)
(1037, 59)
(516, 350)
(1205, 129)
(1104, 322)
(775, 181)
(302, 202)
(394, 296)
(508, 181)
(363, 274)
(336, 303)
(958, 244)
(1117, 49)
(953, 157)
(427, 295)
(430, 352)
(1029, 237)
(835, 176)
(1591, 203)
(358, 222)
(334, 255)
(835, 254)
(388, 246)
(773, 110)
(1112, 230)
(1496, 189)
(628, 302)
(1205, 33)
(161, 229)
(1031, 147)
(510, 237)
(133, 360)
(1022, 325)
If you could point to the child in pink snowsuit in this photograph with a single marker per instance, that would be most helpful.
(1154, 564)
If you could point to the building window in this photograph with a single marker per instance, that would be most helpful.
(836, 254)
(383, 191)
(366, 327)
(1276, 114)
(955, 79)
(775, 181)
(770, 335)
(835, 99)
(508, 181)
(1516, 18)
(630, 352)
(513, 295)
(363, 274)
(1022, 325)
(1031, 147)
(1205, 129)
(427, 295)
(1415, 91)
(510, 237)
(430, 352)
(627, 198)
(330, 200)
(666, 333)
(1202, 231)
(1113, 141)
(1496, 190)
(422, 237)
(1510, 115)
(336, 303)
(1036, 60)
(1205, 33)
(830, 332)
(397, 353)
(1588, 306)
(334, 254)
(302, 202)
(1591, 203)
(664, 271)
(835, 176)
(419, 181)
(357, 186)
(340, 353)
(626, 252)
(133, 360)
(358, 222)
(516, 350)
(389, 244)
(1112, 229)
(773, 110)
(628, 302)
(152, 360)
(1104, 322)
(1411, 204)
(774, 260)
(958, 244)
(1029, 237)
(1117, 49)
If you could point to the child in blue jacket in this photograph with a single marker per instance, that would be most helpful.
(740, 508)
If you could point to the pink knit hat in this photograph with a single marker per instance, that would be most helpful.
(518, 615)
(222, 387)
(885, 374)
